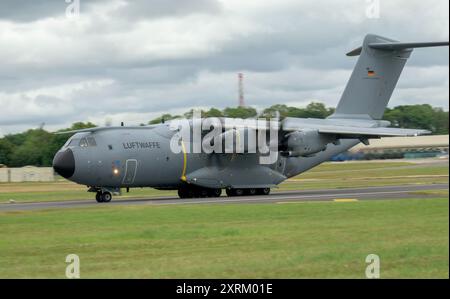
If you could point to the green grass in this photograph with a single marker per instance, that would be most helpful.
(327, 175)
(296, 240)
(62, 195)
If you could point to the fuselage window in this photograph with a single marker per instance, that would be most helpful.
(83, 142)
(91, 141)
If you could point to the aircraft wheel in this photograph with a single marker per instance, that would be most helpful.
(106, 197)
(98, 197)
(230, 192)
(182, 193)
(235, 192)
(185, 193)
(264, 191)
(251, 191)
(203, 192)
(215, 192)
(239, 192)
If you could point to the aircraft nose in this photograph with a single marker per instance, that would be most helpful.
(64, 163)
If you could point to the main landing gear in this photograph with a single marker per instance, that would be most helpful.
(195, 192)
(103, 196)
(247, 191)
(198, 192)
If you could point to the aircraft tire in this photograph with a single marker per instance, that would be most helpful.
(263, 191)
(251, 191)
(203, 192)
(235, 192)
(230, 192)
(239, 192)
(183, 193)
(98, 197)
(106, 197)
(215, 192)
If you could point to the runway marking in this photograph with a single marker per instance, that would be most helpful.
(345, 200)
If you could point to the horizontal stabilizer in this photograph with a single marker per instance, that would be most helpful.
(401, 46)
(396, 46)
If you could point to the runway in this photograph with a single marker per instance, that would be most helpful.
(337, 195)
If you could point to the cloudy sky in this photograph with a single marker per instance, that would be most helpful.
(123, 60)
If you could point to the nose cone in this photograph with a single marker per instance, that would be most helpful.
(64, 163)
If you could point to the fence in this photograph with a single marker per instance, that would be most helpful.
(27, 174)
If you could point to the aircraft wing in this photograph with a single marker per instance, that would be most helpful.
(379, 132)
(348, 128)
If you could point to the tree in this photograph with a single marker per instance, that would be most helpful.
(271, 112)
(312, 110)
(441, 121)
(163, 118)
(36, 150)
(317, 110)
(6, 149)
(213, 112)
(240, 112)
(418, 117)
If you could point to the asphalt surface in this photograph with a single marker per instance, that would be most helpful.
(338, 195)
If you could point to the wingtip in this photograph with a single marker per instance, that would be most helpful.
(355, 52)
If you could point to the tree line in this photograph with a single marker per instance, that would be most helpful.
(38, 146)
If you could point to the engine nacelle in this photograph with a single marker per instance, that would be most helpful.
(241, 140)
(232, 141)
(307, 143)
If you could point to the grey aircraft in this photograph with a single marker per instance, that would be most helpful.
(106, 159)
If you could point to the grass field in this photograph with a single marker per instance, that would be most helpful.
(327, 175)
(290, 240)
(295, 240)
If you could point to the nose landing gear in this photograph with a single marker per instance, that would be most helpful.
(104, 194)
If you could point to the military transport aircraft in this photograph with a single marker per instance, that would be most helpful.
(107, 159)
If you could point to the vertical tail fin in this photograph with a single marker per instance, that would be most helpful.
(380, 63)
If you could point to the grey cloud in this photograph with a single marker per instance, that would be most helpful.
(290, 52)
(147, 9)
(27, 11)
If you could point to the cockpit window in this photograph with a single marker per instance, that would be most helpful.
(73, 142)
(83, 142)
(87, 141)
(67, 142)
(91, 141)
